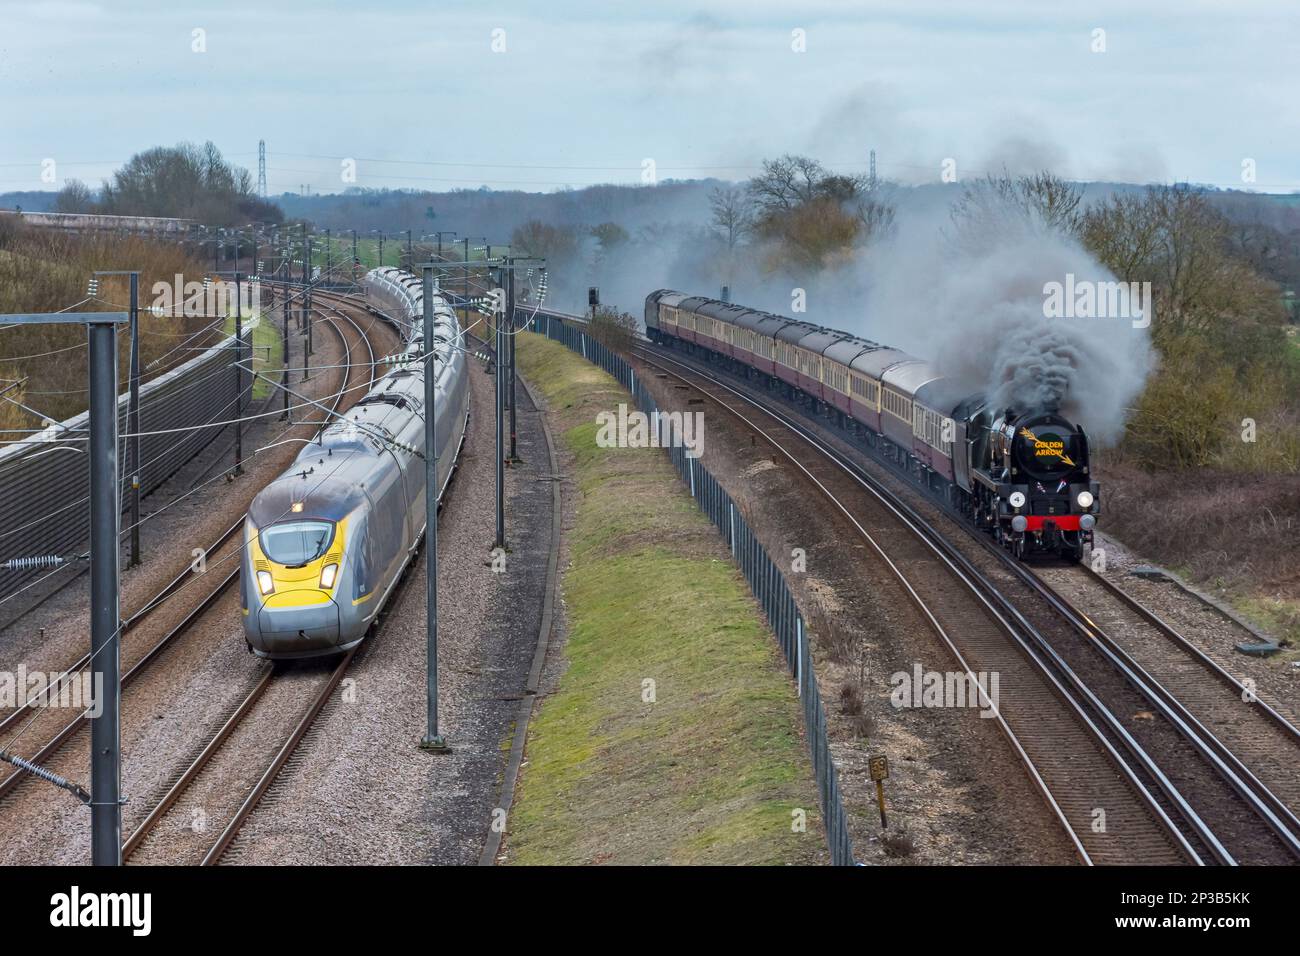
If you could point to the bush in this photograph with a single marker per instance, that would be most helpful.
(613, 329)
(1194, 410)
(898, 844)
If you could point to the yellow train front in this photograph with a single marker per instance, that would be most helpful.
(308, 583)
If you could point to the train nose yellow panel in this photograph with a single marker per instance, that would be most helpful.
(302, 597)
(297, 575)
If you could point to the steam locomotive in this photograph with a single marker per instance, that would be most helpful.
(1022, 475)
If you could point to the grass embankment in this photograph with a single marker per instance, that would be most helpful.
(711, 770)
(268, 350)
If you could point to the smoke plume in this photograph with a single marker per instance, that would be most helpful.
(965, 293)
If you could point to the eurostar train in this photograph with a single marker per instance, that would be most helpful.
(326, 542)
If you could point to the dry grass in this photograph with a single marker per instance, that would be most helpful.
(1226, 529)
(863, 725)
(44, 272)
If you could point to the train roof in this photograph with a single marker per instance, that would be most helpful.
(947, 396)
(820, 340)
(795, 330)
(874, 362)
(898, 369)
(908, 375)
(849, 348)
(406, 290)
(764, 323)
(324, 492)
(667, 297)
(726, 311)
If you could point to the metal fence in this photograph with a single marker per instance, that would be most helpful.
(45, 481)
(765, 578)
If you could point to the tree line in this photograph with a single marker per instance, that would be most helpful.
(184, 181)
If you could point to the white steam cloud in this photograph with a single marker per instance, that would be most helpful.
(971, 300)
(967, 296)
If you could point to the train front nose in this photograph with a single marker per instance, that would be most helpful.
(297, 623)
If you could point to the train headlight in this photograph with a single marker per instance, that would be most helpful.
(265, 583)
(1085, 499)
(1019, 523)
(1087, 522)
(1017, 499)
(327, 576)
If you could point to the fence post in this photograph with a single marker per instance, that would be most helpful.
(798, 652)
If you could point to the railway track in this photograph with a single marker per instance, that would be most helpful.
(138, 655)
(169, 815)
(1080, 719)
(1246, 734)
(52, 727)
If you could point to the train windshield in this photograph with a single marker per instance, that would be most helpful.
(295, 543)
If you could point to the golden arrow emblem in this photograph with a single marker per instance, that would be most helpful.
(1026, 433)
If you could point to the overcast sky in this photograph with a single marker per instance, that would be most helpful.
(539, 95)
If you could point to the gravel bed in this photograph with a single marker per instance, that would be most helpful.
(1277, 682)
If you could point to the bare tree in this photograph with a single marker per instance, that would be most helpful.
(732, 213)
(992, 204)
(1123, 234)
(1174, 238)
(558, 245)
(877, 218)
(1055, 201)
(786, 182)
(609, 235)
(75, 196)
(186, 181)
